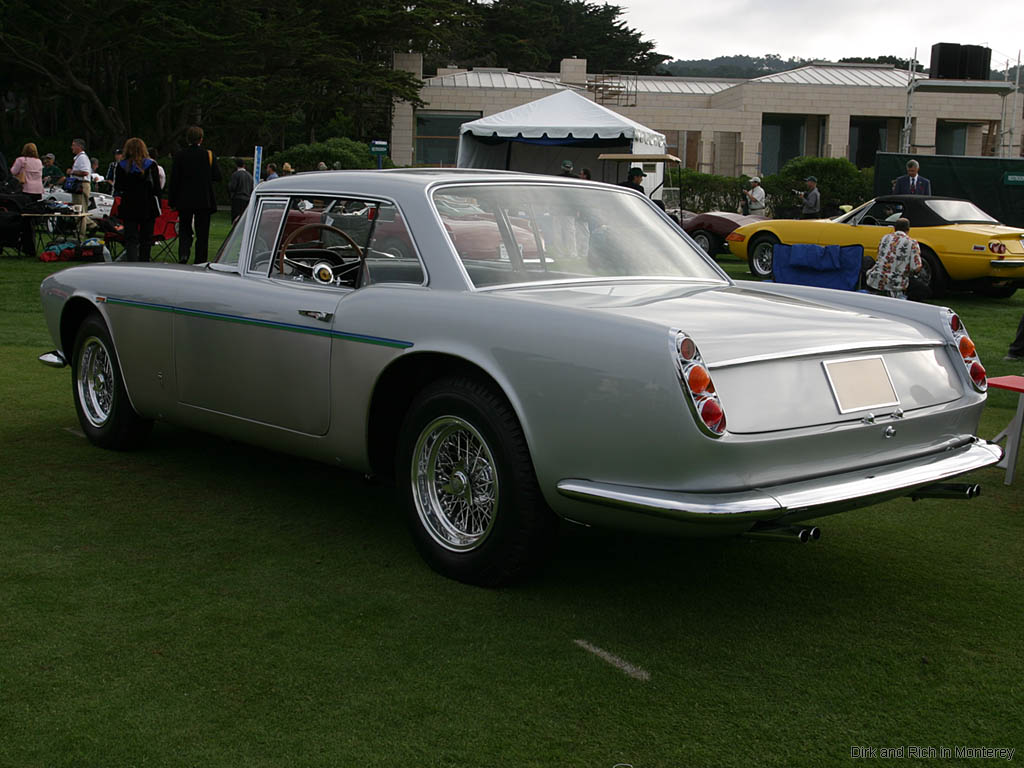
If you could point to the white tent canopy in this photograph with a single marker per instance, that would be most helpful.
(536, 138)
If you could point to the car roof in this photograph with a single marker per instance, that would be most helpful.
(394, 179)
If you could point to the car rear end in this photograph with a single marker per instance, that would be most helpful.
(792, 421)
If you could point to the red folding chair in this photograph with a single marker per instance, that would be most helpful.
(165, 235)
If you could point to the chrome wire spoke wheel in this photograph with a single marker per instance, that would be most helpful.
(454, 483)
(925, 275)
(763, 256)
(95, 381)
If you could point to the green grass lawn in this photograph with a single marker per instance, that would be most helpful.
(204, 603)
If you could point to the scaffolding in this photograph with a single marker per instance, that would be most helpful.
(614, 88)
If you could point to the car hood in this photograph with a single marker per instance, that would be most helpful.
(732, 323)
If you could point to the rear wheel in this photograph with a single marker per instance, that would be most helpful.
(761, 254)
(101, 400)
(711, 243)
(474, 508)
(931, 281)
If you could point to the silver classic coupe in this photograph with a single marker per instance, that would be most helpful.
(516, 349)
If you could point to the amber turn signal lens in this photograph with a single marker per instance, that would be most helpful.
(735, 237)
(698, 379)
(966, 347)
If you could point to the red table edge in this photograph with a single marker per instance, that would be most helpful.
(1011, 383)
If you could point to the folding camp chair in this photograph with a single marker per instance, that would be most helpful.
(165, 235)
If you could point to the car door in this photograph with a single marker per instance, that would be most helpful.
(258, 347)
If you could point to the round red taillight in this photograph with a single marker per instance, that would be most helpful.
(954, 322)
(978, 373)
(687, 349)
(712, 415)
(966, 347)
(698, 379)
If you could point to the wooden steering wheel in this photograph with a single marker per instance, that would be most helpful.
(317, 225)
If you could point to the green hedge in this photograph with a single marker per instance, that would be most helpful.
(839, 181)
(338, 153)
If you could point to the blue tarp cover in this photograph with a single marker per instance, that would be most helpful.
(823, 266)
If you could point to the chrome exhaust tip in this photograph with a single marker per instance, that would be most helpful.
(962, 491)
(789, 533)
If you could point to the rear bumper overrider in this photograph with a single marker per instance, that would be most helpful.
(791, 501)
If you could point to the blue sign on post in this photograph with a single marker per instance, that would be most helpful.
(257, 163)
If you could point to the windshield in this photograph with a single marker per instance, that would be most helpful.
(507, 234)
(231, 248)
(955, 211)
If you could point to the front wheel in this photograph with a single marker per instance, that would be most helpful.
(101, 400)
(761, 255)
(474, 508)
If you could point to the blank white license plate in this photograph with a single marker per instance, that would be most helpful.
(860, 383)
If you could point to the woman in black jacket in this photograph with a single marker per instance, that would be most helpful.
(137, 183)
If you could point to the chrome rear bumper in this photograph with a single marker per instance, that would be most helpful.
(792, 501)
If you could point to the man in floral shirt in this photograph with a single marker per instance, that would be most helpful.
(898, 256)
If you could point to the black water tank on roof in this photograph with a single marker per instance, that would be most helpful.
(945, 61)
(975, 61)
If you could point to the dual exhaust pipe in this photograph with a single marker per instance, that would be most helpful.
(794, 534)
(797, 534)
(959, 491)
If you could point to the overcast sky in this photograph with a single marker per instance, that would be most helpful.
(826, 29)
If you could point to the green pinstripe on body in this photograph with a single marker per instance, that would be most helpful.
(294, 328)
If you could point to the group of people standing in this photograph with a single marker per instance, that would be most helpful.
(138, 181)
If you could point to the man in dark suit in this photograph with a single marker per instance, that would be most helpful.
(913, 183)
(191, 194)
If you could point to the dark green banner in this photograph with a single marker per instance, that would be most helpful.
(994, 184)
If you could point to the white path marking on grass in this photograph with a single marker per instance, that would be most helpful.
(76, 432)
(630, 669)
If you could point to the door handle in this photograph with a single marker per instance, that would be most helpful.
(316, 314)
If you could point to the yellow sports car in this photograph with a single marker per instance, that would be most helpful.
(962, 247)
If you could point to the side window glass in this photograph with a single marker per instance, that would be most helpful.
(322, 239)
(268, 222)
(882, 213)
(391, 256)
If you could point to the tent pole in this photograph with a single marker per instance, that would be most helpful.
(508, 156)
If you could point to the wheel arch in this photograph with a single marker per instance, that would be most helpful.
(76, 310)
(395, 390)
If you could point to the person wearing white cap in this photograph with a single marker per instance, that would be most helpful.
(755, 196)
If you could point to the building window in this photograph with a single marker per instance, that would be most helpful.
(868, 135)
(950, 138)
(437, 136)
(782, 139)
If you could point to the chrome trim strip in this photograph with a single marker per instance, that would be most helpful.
(774, 502)
(606, 280)
(1009, 263)
(881, 344)
(53, 359)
